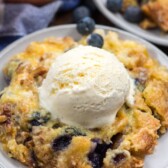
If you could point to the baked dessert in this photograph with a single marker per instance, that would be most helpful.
(30, 134)
(148, 14)
(158, 12)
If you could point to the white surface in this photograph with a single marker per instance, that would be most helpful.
(95, 86)
(156, 36)
(159, 158)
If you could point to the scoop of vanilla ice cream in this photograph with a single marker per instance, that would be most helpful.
(85, 86)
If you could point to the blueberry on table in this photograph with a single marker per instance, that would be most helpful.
(114, 5)
(133, 14)
(95, 40)
(86, 26)
(61, 142)
(90, 4)
(80, 12)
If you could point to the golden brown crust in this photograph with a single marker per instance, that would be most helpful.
(76, 154)
(157, 11)
(20, 98)
(28, 134)
(158, 102)
(137, 162)
(142, 137)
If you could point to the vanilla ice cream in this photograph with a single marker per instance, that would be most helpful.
(86, 86)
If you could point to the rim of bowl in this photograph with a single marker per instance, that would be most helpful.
(71, 26)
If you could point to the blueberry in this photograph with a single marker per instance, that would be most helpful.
(96, 157)
(61, 142)
(34, 159)
(86, 26)
(46, 117)
(102, 148)
(117, 139)
(114, 5)
(80, 12)
(133, 14)
(97, 140)
(90, 4)
(140, 83)
(119, 158)
(35, 122)
(74, 131)
(39, 118)
(28, 139)
(95, 40)
(36, 115)
(57, 125)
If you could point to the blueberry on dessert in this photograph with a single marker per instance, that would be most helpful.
(95, 40)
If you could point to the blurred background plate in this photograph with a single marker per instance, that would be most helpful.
(156, 36)
(156, 160)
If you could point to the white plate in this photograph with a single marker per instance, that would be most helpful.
(156, 36)
(159, 158)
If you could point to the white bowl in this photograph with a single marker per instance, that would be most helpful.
(156, 36)
(156, 160)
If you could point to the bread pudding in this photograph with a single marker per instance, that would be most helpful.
(148, 14)
(157, 11)
(30, 135)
